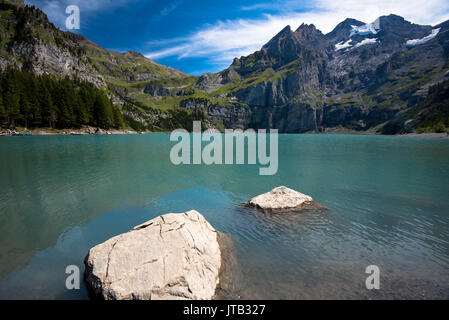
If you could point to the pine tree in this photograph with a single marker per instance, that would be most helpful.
(12, 97)
(66, 104)
(118, 118)
(46, 102)
(103, 111)
(25, 110)
(35, 111)
(3, 113)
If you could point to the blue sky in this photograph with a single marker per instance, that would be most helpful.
(204, 36)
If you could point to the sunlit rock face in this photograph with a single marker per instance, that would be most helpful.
(174, 256)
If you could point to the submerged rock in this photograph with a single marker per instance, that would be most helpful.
(174, 256)
(283, 199)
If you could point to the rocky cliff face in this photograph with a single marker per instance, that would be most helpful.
(33, 43)
(359, 77)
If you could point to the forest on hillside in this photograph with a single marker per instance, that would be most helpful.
(31, 101)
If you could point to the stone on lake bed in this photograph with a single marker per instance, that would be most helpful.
(283, 199)
(174, 256)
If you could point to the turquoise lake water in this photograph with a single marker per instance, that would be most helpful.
(388, 201)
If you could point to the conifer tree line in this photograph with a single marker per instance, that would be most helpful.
(31, 101)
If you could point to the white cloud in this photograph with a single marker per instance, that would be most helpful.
(418, 11)
(171, 7)
(55, 9)
(225, 40)
(179, 50)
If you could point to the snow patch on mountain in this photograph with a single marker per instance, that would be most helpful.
(417, 42)
(365, 42)
(366, 29)
(342, 45)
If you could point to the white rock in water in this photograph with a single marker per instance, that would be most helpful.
(283, 199)
(174, 256)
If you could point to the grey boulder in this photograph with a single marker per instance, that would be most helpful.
(174, 256)
(283, 199)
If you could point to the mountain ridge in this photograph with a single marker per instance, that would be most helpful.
(359, 77)
(29, 41)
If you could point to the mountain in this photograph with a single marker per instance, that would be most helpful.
(366, 77)
(28, 41)
(359, 77)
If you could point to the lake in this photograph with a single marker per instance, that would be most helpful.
(388, 201)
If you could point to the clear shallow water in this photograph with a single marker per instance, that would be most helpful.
(388, 201)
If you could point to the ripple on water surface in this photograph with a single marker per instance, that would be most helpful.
(387, 201)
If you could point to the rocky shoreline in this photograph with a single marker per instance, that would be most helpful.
(99, 131)
(442, 135)
(74, 132)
